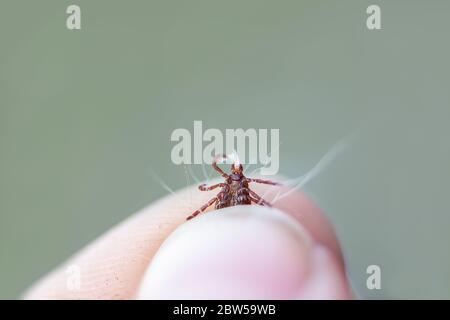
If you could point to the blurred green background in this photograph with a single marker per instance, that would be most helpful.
(86, 115)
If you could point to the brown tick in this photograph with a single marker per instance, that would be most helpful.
(235, 190)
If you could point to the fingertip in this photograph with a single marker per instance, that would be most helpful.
(326, 280)
(245, 252)
(113, 266)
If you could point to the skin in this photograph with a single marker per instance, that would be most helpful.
(254, 252)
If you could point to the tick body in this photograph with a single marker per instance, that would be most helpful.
(234, 191)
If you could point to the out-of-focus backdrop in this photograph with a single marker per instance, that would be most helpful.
(85, 116)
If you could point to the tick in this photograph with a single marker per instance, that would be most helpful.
(235, 190)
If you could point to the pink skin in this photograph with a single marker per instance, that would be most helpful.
(241, 252)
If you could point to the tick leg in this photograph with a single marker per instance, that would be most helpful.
(203, 187)
(203, 208)
(216, 167)
(263, 181)
(257, 199)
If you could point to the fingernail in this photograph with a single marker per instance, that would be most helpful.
(243, 252)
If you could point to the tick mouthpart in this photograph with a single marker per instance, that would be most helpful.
(237, 169)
